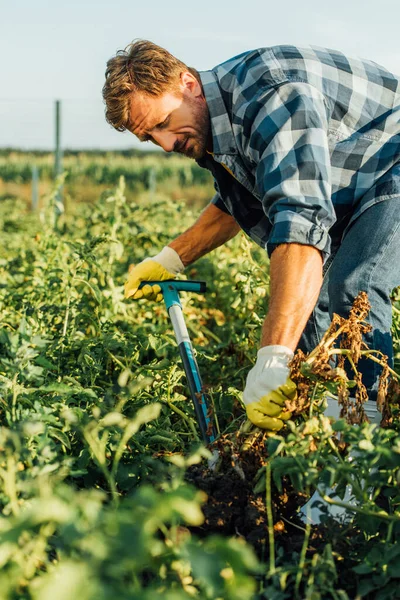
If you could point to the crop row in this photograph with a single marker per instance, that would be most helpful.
(137, 171)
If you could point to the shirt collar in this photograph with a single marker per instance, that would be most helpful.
(221, 127)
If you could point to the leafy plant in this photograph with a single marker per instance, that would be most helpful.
(99, 441)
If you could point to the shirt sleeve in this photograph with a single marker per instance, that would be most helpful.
(287, 144)
(219, 203)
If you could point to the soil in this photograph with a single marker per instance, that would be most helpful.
(233, 508)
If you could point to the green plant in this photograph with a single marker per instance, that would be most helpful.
(99, 442)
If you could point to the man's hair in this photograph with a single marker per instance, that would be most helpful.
(141, 67)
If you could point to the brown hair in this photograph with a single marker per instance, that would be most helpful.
(141, 67)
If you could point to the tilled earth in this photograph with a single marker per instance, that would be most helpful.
(233, 508)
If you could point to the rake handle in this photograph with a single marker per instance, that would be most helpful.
(170, 289)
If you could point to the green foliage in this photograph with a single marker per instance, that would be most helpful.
(92, 394)
(97, 430)
(107, 168)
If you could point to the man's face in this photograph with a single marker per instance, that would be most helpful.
(176, 121)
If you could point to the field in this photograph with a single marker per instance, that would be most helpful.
(91, 173)
(105, 490)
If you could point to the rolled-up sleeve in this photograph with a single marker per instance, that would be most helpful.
(287, 143)
(219, 203)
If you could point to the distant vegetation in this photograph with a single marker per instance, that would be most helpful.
(91, 172)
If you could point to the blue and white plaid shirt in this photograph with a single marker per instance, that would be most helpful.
(311, 137)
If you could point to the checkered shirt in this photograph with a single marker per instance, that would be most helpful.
(311, 137)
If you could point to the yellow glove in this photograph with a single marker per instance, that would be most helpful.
(268, 386)
(269, 411)
(166, 265)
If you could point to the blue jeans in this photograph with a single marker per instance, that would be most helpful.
(366, 258)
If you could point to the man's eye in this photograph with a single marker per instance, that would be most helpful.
(163, 124)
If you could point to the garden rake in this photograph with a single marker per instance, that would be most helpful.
(170, 289)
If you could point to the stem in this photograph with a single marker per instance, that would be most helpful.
(246, 427)
(205, 330)
(270, 520)
(324, 342)
(116, 360)
(312, 400)
(179, 412)
(214, 414)
(99, 458)
(336, 451)
(351, 361)
(393, 373)
(10, 488)
(389, 532)
(14, 399)
(293, 524)
(79, 280)
(4, 324)
(128, 434)
(247, 444)
(38, 552)
(367, 353)
(64, 333)
(355, 483)
(74, 271)
(304, 547)
(362, 511)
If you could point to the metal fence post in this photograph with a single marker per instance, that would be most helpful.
(35, 187)
(152, 183)
(58, 168)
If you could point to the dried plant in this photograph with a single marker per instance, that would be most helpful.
(391, 402)
(328, 366)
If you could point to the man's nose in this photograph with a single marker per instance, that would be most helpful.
(164, 139)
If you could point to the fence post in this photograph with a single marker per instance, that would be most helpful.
(152, 182)
(35, 187)
(58, 168)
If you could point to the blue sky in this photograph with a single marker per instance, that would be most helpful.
(58, 50)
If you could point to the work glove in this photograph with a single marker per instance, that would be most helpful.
(165, 265)
(268, 386)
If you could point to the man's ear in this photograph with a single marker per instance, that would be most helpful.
(190, 84)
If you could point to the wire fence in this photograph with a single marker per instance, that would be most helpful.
(30, 124)
(38, 142)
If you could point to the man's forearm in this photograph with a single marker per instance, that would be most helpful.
(212, 229)
(296, 279)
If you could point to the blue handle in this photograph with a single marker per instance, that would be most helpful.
(180, 285)
(170, 289)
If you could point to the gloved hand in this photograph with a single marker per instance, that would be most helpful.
(268, 386)
(165, 265)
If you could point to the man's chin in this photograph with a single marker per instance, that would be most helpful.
(194, 151)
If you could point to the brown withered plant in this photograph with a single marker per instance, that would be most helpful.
(338, 354)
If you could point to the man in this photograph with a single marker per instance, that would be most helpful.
(304, 147)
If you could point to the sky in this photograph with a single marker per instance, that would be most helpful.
(53, 49)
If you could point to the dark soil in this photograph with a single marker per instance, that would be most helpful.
(233, 508)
